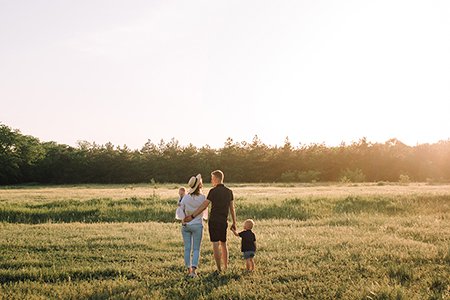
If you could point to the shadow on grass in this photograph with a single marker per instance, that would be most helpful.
(51, 276)
(200, 287)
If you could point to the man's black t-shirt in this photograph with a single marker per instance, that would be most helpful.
(248, 240)
(220, 197)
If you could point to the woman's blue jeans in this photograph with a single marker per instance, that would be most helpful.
(192, 238)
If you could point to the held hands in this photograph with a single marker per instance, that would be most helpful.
(233, 229)
(187, 219)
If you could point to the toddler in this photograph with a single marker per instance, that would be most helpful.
(248, 243)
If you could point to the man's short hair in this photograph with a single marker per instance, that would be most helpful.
(218, 174)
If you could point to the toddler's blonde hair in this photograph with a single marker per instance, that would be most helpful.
(249, 223)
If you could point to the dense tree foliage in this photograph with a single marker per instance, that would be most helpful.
(24, 159)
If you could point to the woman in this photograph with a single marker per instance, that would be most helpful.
(192, 231)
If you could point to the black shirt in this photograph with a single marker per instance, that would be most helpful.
(248, 240)
(220, 197)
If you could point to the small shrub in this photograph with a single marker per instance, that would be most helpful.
(404, 179)
(308, 176)
(345, 179)
(289, 176)
(356, 175)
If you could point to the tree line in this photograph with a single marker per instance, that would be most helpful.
(25, 159)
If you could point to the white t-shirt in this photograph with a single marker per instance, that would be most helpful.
(189, 205)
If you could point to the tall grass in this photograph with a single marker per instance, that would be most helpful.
(154, 208)
(358, 246)
(94, 210)
(295, 260)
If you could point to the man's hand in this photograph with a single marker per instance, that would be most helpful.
(187, 219)
(233, 227)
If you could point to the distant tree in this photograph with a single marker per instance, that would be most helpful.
(25, 159)
(18, 154)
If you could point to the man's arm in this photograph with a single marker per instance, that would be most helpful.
(233, 215)
(200, 209)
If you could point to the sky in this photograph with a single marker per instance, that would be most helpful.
(316, 71)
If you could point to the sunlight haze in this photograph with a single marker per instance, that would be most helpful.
(201, 71)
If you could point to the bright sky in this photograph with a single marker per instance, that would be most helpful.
(201, 71)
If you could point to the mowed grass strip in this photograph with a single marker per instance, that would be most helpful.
(252, 193)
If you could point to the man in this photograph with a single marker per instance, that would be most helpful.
(221, 199)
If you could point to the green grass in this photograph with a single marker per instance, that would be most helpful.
(354, 246)
(89, 211)
(162, 210)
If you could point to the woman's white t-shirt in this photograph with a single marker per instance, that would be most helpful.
(189, 205)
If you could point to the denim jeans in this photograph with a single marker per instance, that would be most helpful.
(192, 238)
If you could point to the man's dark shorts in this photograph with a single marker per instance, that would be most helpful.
(217, 231)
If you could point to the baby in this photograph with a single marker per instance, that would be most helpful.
(179, 213)
(248, 243)
(181, 193)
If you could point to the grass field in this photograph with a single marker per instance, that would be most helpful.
(365, 241)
